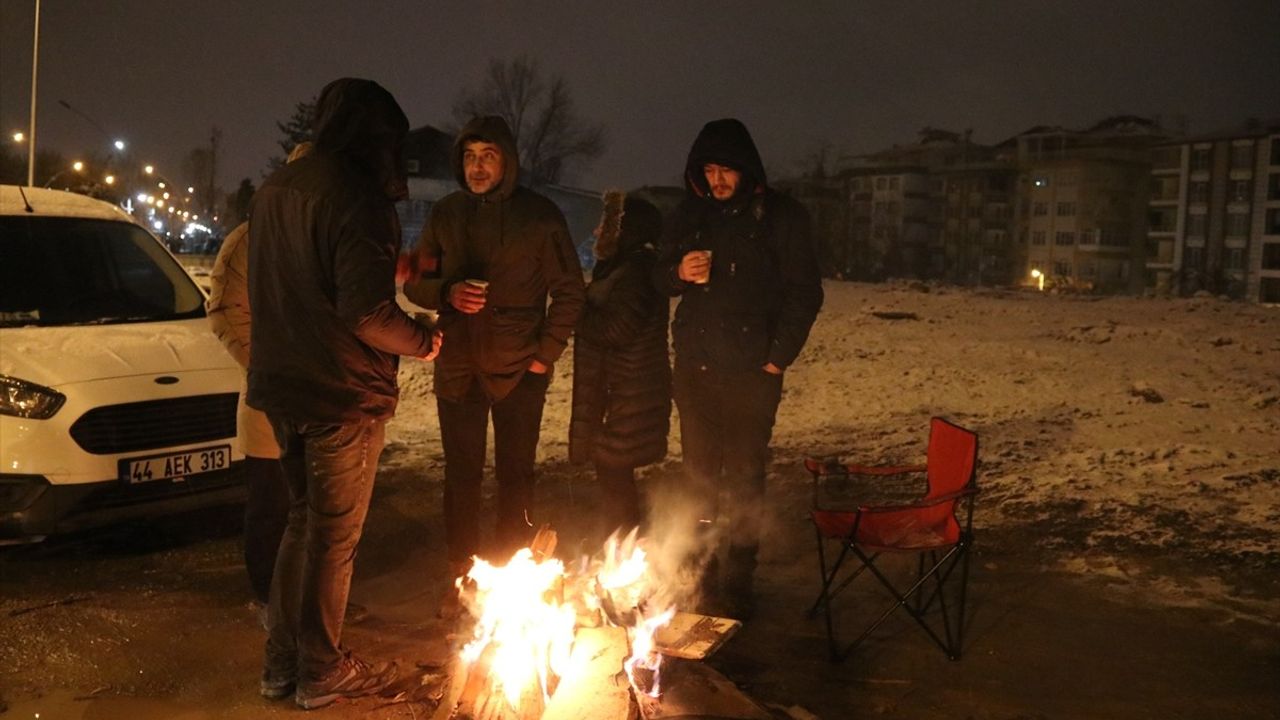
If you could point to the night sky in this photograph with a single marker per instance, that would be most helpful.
(857, 76)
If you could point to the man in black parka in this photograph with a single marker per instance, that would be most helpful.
(326, 336)
(742, 260)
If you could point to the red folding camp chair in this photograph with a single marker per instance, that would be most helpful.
(937, 528)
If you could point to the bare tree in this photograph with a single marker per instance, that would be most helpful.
(549, 134)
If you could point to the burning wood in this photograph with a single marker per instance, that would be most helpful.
(538, 649)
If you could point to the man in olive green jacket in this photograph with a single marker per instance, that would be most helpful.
(491, 255)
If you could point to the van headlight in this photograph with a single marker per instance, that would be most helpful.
(23, 399)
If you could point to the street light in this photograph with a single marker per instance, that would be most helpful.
(77, 166)
(19, 136)
(1039, 278)
(119, 144)
(149, 169)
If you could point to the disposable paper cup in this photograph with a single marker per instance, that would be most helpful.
(706, 279)
(482, 284)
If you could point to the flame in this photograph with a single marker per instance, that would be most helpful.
(525, 623)
(519, 616)
(625, 578)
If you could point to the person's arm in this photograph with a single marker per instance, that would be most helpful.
(801, 285)
(364, 280)
(671, 251)
(563, 276)
(228, 303)
(426, 286)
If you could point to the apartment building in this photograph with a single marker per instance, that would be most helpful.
(974, 242)
(1083, 198)
(1213, 220)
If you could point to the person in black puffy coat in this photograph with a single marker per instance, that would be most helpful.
(621, 372)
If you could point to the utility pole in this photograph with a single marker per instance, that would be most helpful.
(35, 59)
(215, 139)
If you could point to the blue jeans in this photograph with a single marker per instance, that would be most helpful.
(329, 470)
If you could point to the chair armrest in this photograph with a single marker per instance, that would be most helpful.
(920, 504)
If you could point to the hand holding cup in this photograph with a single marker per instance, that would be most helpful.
(469, 295)
(695, 267)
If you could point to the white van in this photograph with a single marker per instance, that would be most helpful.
(116, 400)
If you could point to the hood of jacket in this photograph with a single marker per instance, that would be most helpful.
(725, 142)
(628, 223)
(490, 129)
(359, 121)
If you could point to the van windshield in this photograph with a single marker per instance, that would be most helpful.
(70, 271)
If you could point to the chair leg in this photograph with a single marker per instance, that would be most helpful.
(903, 598)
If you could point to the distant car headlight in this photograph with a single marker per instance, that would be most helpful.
(23, 399)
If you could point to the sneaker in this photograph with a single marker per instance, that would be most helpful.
(278, 683)
(352, 678)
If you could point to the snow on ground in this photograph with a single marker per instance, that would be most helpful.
(1109, 427)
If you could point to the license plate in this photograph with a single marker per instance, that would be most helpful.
(175, 465)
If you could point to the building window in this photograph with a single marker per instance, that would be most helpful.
(1273, 222)
(1273, 184)
(1162, 219)
(1066, 208)
(881, 183)
(1200, 159)
(1088, 269)
(1239, 191)
(1067, 179)
(1242, 157)
(1275, 151)
(1064, 238)
(1040, 181)
(1040, 208)
(1194, 258)
(1089, 237)
(1037, 237)
(1271, 256)
(1166, 158)
(1164, 188)
(1237, 225)
(1062, 268)
(1198, 192)
(1269, 289)
(1196, 225)
(1234, 259)
(893, 183)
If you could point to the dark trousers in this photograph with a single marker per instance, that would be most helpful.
(619, 499)
(266, 512)
(464, 426)
(330, 471)
(726, 422)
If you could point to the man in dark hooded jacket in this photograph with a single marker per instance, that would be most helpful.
(326, 337)
(491, 254)
(742, 260)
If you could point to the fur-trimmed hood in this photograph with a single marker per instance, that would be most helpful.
(627, 223)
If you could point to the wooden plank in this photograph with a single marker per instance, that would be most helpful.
(596, 687)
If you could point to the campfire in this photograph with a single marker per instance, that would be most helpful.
(583, 642)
